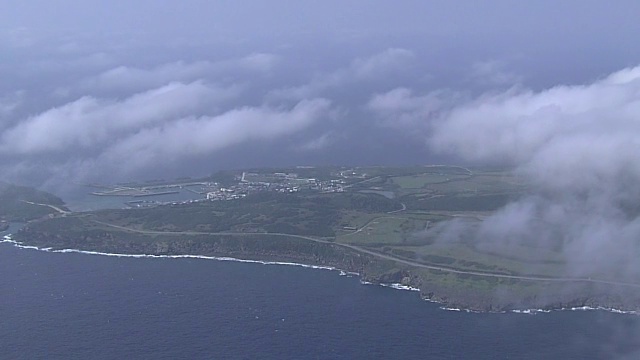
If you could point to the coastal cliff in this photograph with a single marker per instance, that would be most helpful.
(459, 294)
(386, 224)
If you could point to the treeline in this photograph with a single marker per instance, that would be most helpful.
(488, 202)
(372, 203)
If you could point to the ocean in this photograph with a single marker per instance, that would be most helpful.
(80, 306)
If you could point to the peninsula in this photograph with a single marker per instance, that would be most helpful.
(386, 224)
(23, 203)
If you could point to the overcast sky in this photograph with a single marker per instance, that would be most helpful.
(117, 90)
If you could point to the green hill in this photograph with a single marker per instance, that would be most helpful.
(15, 206)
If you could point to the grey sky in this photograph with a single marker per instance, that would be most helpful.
(278, 16)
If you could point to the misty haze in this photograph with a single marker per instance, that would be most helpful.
(484, 156)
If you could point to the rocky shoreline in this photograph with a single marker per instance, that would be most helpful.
(268, 249)
(506, 300)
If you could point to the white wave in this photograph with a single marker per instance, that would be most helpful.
(9, 239)
(204, 257)
(601, 308)
(627, 312)
(348, 273)
(530, 311)
(469, 311)
(400, 287)
(578, 308)
(430, 300)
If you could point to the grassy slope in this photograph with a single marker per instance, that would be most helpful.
(14, 208)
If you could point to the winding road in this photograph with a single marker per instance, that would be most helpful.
(382, 256)
(61, 211)
(360, 250)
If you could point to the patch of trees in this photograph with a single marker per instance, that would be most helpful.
(459, 203)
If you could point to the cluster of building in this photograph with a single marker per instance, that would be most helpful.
(226, 194)
(249, 183)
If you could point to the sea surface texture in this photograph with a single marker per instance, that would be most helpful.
(79, 306)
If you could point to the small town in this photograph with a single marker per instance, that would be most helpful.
(280, 182)
(246, 183)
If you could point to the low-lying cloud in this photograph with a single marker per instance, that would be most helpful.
(401, 109)
(578, 147)
(193, 136)
(95, 138)
(114, 121)
(90, 122)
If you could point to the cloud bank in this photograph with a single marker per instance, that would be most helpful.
(578, 147)
(109, 138)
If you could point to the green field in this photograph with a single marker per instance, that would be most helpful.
(423, 180)
(407, 238)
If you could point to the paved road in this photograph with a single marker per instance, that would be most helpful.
(63, 212)
(383, 256)
(360, 182)
(404, 207)
(452, 166)
(372, 220)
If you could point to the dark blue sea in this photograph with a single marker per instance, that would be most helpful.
(79, 306)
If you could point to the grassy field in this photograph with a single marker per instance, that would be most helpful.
(385, 228)
(431, 196)
(416, 237)
(434, 196)
(422, 180)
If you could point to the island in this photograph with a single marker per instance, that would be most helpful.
(382, 223)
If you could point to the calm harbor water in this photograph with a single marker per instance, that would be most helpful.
(80, 198)
(79, 306)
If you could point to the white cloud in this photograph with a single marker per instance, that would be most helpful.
(126, 78)
(578, 147)
(518, 126)
(196, 136)
(90, 122)
(401, 109)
